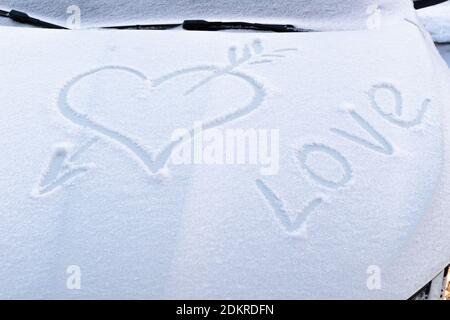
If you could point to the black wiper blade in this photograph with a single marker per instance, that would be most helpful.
(147, 26)
(22, 17)
(194, 25)
(203, 25)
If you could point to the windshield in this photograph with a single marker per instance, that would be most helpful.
(317, 14)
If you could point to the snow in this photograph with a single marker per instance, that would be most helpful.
(88, 179)
(317, 14)
(436, 20)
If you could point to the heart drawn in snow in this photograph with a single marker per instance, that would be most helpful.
(153, 161)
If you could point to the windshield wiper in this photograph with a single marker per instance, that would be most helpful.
(203, 25)
(24, 18)
(194, 25)
(147, 26)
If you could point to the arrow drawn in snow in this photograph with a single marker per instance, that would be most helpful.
(63, 168)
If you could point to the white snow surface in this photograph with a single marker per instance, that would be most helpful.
(317, 14)
(88, 178)
(436, 20)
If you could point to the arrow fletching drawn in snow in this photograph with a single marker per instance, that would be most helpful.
(63, 168)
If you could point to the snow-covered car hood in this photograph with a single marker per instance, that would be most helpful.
(89, 177)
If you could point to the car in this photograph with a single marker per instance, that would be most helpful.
(436, 20)
(222, 150)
